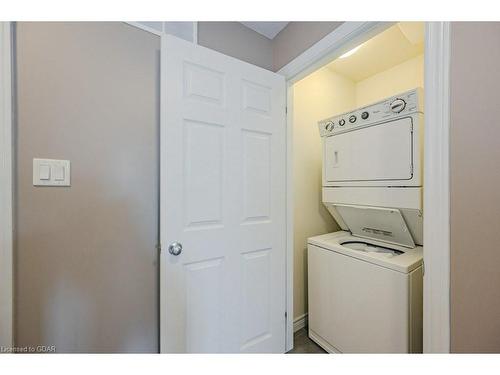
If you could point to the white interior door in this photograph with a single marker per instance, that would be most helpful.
(223, 199)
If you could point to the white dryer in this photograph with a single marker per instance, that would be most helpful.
(365, 282)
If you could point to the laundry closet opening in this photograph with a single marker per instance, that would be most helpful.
(387, 67)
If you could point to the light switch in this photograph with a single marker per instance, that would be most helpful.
(51, 172)
(59, 172)
(44, 172)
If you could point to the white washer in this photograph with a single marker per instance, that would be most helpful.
(364, 297)
(365, 282)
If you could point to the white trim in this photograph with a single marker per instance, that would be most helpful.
(163, 188)
(322, 343)
(195, 32)
(299, 323)
(289, 217)
(436, 323)
(342, 39)
(161, 32)
(146, 28)
(6, 225)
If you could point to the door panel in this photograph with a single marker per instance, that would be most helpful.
(256, 297)
(203, 84)
(204, 302)
(203, 173)
(256, 176)
(376, 153)
(223, 198)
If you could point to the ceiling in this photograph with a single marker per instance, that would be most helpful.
(393, 46)
(268, 29)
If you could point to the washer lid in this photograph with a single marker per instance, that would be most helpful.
(379, 223)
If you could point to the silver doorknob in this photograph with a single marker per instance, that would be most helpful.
(175, 248)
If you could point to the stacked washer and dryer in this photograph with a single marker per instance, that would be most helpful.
(365, 282)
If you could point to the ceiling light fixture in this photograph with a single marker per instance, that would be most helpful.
(349, 53)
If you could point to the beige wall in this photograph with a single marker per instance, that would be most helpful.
(400, 78)
(314, 98)
(236, 40)
(85, 258)
(475, 181)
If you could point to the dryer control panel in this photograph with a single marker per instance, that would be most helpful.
(395, 106)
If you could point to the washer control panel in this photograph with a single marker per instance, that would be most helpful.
(394, 106)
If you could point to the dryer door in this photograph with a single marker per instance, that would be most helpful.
(382, 152)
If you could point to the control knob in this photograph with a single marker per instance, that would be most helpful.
(352, 119)
(341, 122)
(365, 115)
(397, 105)
(329, 126)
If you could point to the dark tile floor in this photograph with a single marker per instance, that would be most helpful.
(302, 344)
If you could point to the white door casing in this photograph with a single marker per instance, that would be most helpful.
(437, 189)
(223, 184)
(6, 221)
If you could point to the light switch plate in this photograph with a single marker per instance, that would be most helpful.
(44, 171)
(51, 172)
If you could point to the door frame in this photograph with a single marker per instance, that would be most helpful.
(6, 181)
(437, 189)
(436, 314)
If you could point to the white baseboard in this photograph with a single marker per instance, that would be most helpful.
(300, 322)
(323, 343)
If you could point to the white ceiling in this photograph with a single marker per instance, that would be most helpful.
(268, 29)
(395, 45)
